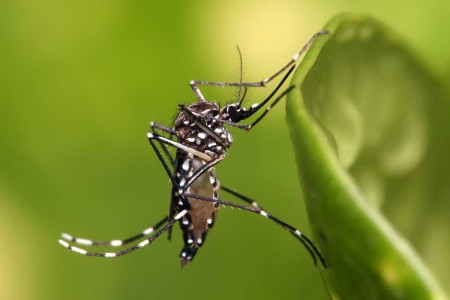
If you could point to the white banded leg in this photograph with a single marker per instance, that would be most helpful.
(113, 243)
(307, 243)
(128, 250)
(194, 83)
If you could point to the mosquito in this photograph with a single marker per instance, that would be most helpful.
(201, 139)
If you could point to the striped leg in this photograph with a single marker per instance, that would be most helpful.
(155, 127)
(113, 243)
(128, 250)
(307, 243)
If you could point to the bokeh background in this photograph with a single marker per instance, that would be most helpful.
(79, 83)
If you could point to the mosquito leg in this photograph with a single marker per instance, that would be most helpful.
(114, 243)
(169, 142)
(155, 127)
(250, 126)
(131, 249)
(169, 172)
(309, 245)
(240, 196)
(161, 127)
(194, 83)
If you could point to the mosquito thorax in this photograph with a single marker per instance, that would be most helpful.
(191, 134)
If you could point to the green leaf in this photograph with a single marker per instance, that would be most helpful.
(359, 122)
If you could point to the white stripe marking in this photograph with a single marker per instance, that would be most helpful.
(76, 249)
(116, 243)
(148, 231)
(84, 242)
(109, 254)
(185, 165)
(264, 213)
(67, 236)
(201, 135)
(143, 243)
(180, 215)
(64, 243)
(150, 135)
(298, 233)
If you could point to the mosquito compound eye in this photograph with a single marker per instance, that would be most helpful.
(231, 112)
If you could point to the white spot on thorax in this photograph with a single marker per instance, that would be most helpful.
(185, 165)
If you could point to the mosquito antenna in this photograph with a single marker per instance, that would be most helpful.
(243, 96)
(241, 76)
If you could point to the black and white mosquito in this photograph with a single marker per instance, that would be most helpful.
(201, 141)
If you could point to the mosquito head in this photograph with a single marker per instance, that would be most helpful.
(235, 113)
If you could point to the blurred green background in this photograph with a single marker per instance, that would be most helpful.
(80, 81)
